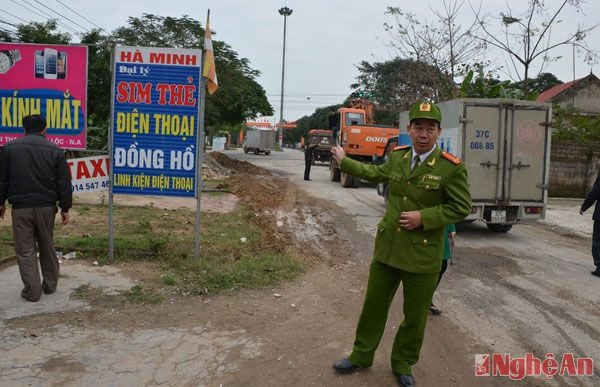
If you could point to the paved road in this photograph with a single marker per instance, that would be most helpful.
(529, 290)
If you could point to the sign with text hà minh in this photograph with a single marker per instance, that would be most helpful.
(155, 120)
(45, 79)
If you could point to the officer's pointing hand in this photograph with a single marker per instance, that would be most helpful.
(410, 220)
(338, 153)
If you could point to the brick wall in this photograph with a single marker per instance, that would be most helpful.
(573, 167)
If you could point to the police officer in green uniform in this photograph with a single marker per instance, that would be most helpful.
(428, 189)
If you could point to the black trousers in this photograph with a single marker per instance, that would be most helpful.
(444, 267)
(307, 164)
(596, 244)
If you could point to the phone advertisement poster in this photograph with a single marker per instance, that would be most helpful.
(45, 79)
(156, 95)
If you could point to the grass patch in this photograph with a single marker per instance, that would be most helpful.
(168, 279)
(138, 295)
(83, 292)
(235, 252)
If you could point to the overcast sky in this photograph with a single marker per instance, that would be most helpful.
(326, 39)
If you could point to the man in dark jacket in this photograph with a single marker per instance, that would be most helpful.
(308, 158)
(591, 198)
(34, 176)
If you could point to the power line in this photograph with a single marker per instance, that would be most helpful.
(61, 15)
(15, 16)
(77, 13)
(48, 16)
(29, 9)
(8, 23)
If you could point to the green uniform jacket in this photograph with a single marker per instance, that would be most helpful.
(437, 188)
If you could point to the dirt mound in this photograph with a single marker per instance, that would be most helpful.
(290, 218)
(238, 166)
(212, 170)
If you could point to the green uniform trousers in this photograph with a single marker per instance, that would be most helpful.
(417, 289)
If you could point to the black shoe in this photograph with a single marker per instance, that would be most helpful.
(405, 380)
(307, 179)
(345, 366)
(434, 311)
(25, 297)
(46, 289)
(596, 272)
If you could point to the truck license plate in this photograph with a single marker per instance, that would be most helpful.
(498, 216)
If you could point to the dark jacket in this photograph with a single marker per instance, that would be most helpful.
(34, 173)
(593, 197)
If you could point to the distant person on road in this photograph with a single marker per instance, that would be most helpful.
(594, 197)
(309, 151)
(34, 176)
(449, 233)
(428, 190)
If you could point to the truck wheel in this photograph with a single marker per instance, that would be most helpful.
(268, 153)
(499, 227)
(256, 152)
(355, 182)
(334, 173)
(346, 180)
(245, 150)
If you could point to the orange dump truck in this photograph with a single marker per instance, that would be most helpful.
(355, 130)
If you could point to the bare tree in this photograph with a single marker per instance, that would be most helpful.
(528, 37)
(444, 43)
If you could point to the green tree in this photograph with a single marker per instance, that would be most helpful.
(396, 84)
(478, 84)
(5, 36)
(41, 33)
(543, 81)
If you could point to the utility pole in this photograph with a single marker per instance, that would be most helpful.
(285, 12)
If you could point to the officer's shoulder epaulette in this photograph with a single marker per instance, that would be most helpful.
(450, 157)
(401, 147)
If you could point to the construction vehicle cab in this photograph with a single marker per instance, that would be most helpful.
(354, 130)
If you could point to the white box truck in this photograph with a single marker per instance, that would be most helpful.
(259, 141)
(505, 145)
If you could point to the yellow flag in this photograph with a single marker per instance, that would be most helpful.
(209, 71)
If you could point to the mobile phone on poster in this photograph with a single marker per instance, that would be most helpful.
(61, 65)
(50, 59)
(39, 64)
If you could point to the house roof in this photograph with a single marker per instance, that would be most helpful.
(552, 92)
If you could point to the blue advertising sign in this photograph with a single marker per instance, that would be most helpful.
(155, 121)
